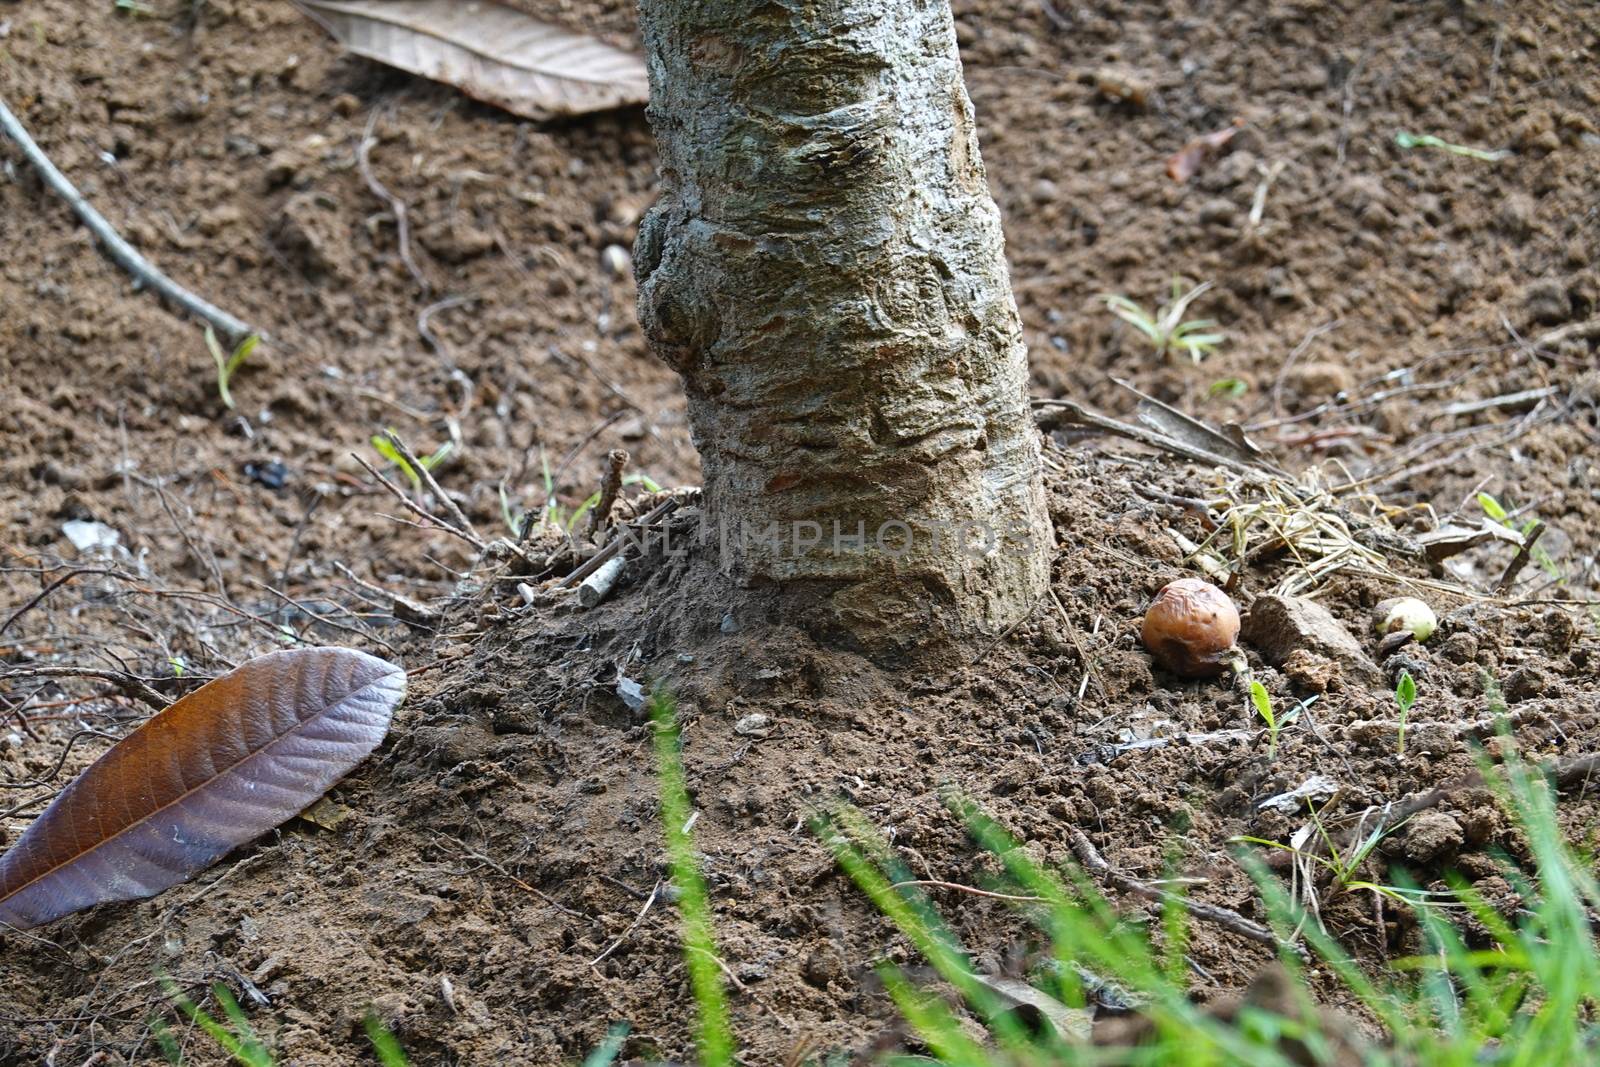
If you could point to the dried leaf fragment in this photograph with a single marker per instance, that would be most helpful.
(489, 51)
(213, 770)
(1187, 161)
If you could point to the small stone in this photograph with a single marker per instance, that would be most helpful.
(346, 104)
(753, 725)
(730, 625)
(1310, 670)
(1545, 301)
(1524, 683)
(616, 261)
(1319, 380)
(1280, 625)
(1431, 834)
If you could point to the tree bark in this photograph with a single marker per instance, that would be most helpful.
(825, 268)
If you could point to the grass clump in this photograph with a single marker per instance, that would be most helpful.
(1167, 330)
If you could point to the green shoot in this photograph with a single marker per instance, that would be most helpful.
(238, 1039)
(384, 1044)
(510, 516)
(1428, 140)
(240, 1042)
(1263, 702)
(1167, 330)
(1405, 695)
(429, 462)
(606, 1053)
(135, 7)
(1345, 865)
(228, 365)
(714, 1037)
(1231, 388)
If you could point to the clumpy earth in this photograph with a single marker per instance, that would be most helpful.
(1412, 326)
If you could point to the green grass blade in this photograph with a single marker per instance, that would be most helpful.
(606, 1053)
(384, 1044)
(714, 1036)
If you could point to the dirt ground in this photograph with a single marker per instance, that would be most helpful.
(506, 834)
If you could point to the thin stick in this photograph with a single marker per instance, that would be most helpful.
(120, 251)
(969, 889)
(397, 207)
(651, 899)
(600, 517)
(130, 684)
(431, 521)
(1521, 560)
(433, 486)
(1226, 918)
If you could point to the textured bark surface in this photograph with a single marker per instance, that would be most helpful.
(825, 267)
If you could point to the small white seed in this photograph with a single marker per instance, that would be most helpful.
(616, 261)
(1404, 613)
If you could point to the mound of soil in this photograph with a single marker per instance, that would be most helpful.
(1416, 325)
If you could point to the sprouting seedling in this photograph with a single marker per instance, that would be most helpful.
(135, 7)
(513, 518)
(1345, 864)
(1232, 388)
(1405, 695)
(1263, 702)
(228, 365)
(1428, 140)
(429, 462)
(1167, 330)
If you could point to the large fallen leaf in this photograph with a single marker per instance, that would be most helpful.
(210, 772)
(489, 51)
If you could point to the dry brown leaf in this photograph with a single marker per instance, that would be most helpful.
(208, 773)
(489, 51)
(1186, 161)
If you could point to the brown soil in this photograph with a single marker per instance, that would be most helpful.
(506, 835)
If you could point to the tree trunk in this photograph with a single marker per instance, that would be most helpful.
(825, 268)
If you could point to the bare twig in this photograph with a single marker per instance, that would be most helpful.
(426, 475)
(1520, 560)
(130, 684)
(1226, 918)
(616, 544)
(1526, 398)
(651, 899)
(406, 502)
(1067, 411)
(397, 207)
(968, 889)
(600, 517)
(121, 252)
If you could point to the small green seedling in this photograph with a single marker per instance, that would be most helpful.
(1428, 140)
(1263, 702)
(227, 366)
(1405, 695)
(429, 462)
(1345, 865)
(134, 7)
(1232, 388)
(1167, 330)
